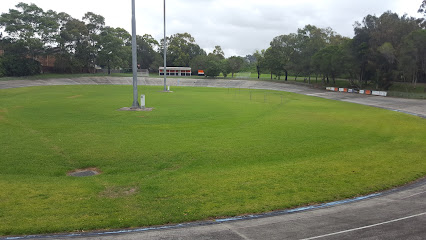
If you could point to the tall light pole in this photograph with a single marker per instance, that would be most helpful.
(165, 49)
(134, 61)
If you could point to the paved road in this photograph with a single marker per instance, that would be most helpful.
(396, 214)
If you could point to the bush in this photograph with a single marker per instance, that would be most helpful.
(65, 63)
(15, 66)
(2, 71)
(213, 68)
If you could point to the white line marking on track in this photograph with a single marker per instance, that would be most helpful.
(239, 234)
(369, 226)
(414, 195)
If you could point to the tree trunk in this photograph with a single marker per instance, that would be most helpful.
(258, 72)
(286, 75)
(271, 75)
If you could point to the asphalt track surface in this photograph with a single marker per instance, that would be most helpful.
(395, 214)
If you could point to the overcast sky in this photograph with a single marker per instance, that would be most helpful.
(238, 26)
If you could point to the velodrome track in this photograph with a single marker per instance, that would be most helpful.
(395, 214)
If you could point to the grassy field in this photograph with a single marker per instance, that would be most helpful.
(202, 153)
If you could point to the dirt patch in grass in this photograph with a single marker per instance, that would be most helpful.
(76, 96)
(84, 172)
(118, 191)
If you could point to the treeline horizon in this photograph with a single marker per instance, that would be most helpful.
(384, 49)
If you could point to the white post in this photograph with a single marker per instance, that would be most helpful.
(142, 101)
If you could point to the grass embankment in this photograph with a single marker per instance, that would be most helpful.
(202, 153)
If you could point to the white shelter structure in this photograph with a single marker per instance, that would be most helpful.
(175, 71)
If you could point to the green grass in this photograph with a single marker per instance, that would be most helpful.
(202, 153)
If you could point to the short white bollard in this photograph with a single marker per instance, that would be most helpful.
(168, 88)
(143, 101)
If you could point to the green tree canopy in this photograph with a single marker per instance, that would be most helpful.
(181, 49)
(114, 46)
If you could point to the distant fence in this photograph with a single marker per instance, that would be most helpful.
(112, 71)
(143, 73)
(243, 75)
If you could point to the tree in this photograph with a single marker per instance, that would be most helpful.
(272, 62)
(199, 63)
(348, 63)
(94, 24)
(18, 66)
(31, 26)
(376, 42)
(114, 46)
(219, 52)
(14, 61)
(250, 59)
(412, 57)
(2, 70)
(282, 51)
(146, 53)
(260, 61)
(235, 64)
(213, 66)
(308, 42)
(181, 49)
(422, 9)
(329, 62)
(74, 56)
(226, 67)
